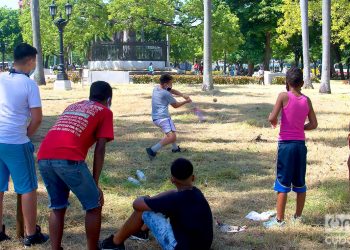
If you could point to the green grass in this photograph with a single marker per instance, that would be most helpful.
(238, 171)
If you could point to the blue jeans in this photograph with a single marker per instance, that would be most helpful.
(62, 176)
(161, 229)
(17, 160)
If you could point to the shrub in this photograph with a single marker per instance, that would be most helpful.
(74, 76)
(279, 80)
(194, 79)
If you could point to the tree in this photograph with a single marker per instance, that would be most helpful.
(89, 21)
(207, 73)
(326, 47)
(304, 7)
(11, 31)
(39, 75)
(258, 21)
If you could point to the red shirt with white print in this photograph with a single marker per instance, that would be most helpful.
(76, 130)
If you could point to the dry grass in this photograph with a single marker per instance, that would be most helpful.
(240, 173)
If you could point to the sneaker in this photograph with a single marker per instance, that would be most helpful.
(297, 220)
(273, 223)
(140, 236)
(108, 244)
(3, 235)
(178, 150)
(151, 154)
(37, 238)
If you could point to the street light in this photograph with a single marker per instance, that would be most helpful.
(61, 24)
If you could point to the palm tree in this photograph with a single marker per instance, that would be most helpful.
(39, 75)
(326, 45)
(207, 67)
(304, 8)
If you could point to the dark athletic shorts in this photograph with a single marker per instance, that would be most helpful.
(291, 167)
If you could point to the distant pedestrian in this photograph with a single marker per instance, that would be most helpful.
(151, 69)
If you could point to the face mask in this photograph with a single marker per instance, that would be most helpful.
(168, 89)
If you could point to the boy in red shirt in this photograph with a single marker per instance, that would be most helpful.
(62, 161)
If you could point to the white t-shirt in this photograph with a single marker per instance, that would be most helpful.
(18, 94)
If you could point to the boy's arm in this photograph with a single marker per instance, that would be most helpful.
(273, 117)
(180, 104)
(178, 93)
(140, 204)
(36, 119)
(99, 157)
(312, 124)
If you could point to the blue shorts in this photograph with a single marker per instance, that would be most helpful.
(161, 229)
(17, 161)
(291, 167)
(62, 176)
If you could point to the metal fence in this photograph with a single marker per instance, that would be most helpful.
(130, 51)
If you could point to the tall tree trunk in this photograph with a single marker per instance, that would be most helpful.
(46, 64)
(304, 7)
(296, 58)
(250, 69)
(207, 73)
(348, 72)
(39, 75)
(268, 51)
(225, 63)
(326, 47)
(338, 59)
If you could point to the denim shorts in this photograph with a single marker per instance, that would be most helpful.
(291, 167)
(17, 161)
(166, 125)
(62, 176)
(161, 229)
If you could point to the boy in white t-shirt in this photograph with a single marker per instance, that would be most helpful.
(20, 117)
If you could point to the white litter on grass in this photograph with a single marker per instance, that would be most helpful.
(255, 216)
(225, 228)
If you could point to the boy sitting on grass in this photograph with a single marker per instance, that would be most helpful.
(191, 222)
(62, 161)
(161, 98)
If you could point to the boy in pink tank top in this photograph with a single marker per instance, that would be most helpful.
(295, 108)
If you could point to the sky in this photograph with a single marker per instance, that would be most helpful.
(13, 4)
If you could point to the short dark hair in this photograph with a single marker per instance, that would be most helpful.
(24, 51)
(165, 78)
(294, 77)
(100, 91)
(181, 169)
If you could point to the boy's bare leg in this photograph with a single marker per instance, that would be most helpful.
(56, 225)
(131, 226)
(281, 205)
(29, 206)
(300, 204)
(168, 139)
(93, 227)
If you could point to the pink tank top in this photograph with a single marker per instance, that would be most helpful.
(293, 118)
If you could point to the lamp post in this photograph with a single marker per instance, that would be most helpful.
(62, 81)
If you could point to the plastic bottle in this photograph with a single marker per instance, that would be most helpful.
(134, 181)
(140, 175)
